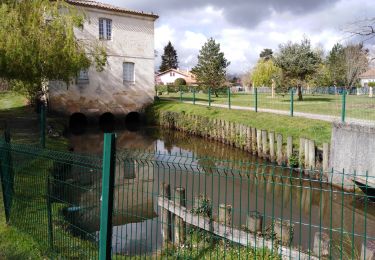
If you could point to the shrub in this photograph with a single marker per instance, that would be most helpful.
(180, 82)
(371, 84)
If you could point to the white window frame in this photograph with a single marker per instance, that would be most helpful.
(105, 29)
(125, 73)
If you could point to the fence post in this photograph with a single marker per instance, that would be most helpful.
(209, 97)
(229, 99)
(193, 96)
(180, 93)
(43, 126)
(106, 210)
(6, 176)
(256, 99)
(49, 213)
(291, 103)
(343, 110)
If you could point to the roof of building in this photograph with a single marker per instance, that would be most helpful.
(98, 5)
(182, 72)
(368, 74)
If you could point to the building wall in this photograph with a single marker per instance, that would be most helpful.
(364, 82)
(168, 79)
(132, 41)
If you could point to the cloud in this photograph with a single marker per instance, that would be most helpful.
(244, 28)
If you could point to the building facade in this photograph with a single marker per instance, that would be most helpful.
(127, 82)
(169, 76)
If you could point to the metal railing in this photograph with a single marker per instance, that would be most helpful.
(160, 205)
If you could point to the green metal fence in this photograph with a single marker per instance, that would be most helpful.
(341, 105)
(185, 207)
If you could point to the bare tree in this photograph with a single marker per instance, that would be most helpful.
(356, 62)
(364, 29)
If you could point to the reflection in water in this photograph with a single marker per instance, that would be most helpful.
(238, 179)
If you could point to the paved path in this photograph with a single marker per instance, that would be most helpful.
(326, 118)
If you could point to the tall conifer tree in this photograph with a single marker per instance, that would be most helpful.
(169, 60)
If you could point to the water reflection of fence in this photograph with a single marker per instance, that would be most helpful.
(234, 207)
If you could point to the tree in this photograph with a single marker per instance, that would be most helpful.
(180, 82)
(211, 68)
(266, 73)
(37, 44)
(297, 62)
(336, 65)
(169, 59)
(356, 62)
(321, 78)
(266, 54)
(364, 29)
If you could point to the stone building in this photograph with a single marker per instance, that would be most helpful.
(127, 83)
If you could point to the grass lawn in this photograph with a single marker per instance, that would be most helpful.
(359, 107)
(297, 127)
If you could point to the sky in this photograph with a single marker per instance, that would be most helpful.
(245, 27)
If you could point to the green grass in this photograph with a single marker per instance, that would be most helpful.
(296, 127)
(202, 245)
(359, 107)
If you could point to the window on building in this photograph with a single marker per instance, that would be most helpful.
(128, 76)
(105, 29)
(83, 76)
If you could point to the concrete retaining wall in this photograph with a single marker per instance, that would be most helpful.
(352, 149)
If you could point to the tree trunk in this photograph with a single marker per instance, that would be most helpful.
(299, 91)
(273, 88)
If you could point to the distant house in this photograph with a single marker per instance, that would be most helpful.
(367, 77)
(169, 76)
(127, 83)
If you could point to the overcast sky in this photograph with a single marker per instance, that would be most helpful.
(245, 27)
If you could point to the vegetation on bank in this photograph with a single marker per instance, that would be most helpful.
(319, 131)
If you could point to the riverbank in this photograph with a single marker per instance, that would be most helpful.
(297, 128)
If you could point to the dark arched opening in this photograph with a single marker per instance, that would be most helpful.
(107, 122)
(133, 121)
(77, 123)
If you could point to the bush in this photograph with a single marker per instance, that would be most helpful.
(371, 84)
(180, 82)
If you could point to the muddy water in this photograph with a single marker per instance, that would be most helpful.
(276, 193)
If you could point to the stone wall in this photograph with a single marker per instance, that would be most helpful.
(132, 41)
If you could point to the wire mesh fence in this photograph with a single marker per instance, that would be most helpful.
(178, 206)
(329, 104)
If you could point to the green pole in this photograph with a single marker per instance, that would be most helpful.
(256, 99)
(180, 94)
(49, 214)
(193, 96)
(229, 99)
(43, 126)
(209, 97)
(108, 177)
(6, 175)
(343, 110)
(291, 102)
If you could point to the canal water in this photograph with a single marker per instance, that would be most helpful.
(223, 174)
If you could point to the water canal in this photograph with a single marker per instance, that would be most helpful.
(180, 160)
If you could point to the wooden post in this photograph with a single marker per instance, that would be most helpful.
(264, 144)
(165, 192)
(301, 152)
(179, 226)
(271, 137)
(283, 231)
(259, 142)
(311, 154)
(368, 250)
(254, 222)
(225, 214)
(306, 153)
(289, 149)
(279, 149)
(325, 158)
(253, 141)
(248, 141)
(322, 244)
